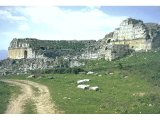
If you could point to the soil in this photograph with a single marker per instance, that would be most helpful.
(31, 91)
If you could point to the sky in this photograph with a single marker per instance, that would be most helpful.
(67, 22)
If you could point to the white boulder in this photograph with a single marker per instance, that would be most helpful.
(90, 73)
(83, 81)
(31, 76)
(95, 88)
(83, 86)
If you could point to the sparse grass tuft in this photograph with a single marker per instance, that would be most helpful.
(30, 108)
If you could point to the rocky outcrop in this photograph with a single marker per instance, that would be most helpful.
(136, 34)
(30, 53)
(24, 66)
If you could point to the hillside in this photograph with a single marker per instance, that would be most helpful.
(127, 85)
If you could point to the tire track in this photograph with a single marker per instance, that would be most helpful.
(16, 104)
(41, 98)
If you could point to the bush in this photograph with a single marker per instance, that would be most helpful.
(120, 66)
(74, 70)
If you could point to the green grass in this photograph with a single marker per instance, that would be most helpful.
(139, 93)
(30, 108)
(115, 94)
(6, 91)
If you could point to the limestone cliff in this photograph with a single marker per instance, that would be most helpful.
(137, 34)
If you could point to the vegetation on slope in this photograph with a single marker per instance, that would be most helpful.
(133, 86)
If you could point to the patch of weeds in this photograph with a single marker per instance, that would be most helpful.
(29, 107)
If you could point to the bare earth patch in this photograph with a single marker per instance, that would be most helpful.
(141, 94)
(41, 99)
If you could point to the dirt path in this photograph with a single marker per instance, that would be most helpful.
(34, 91)
(16, 105)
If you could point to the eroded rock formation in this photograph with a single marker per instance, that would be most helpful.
(137, 35)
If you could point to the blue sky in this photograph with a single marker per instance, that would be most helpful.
(78, 22)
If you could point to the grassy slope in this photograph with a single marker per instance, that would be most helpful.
(139, 93)
(6, 91)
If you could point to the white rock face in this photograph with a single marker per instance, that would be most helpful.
(137, 35)
(130, 29)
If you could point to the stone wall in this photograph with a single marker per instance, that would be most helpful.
(17, 53)
(34, 48)
(137, 44)
(116, 51)
(134, 33)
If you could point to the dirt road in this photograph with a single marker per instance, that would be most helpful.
(31, 91)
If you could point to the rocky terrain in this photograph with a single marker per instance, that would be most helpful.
(31, 54)
(24, 66)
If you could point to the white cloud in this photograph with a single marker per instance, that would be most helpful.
(23, 27)
(87, 23)
(7, 15)
(56, 23)
(59, 23)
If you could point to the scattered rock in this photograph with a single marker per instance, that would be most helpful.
(64, 98)
(95, 88)
(150, 105)
(83, 86)
(83, 81)
(31, 76)
(90, 73)
(139, 94)
(111, 73)
(18, 73)
(125, 76)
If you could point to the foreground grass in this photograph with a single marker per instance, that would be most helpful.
(132, 88)
(29, 107)
(6, 91)
(116, 94)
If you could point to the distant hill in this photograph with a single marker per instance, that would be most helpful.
(3, 54)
